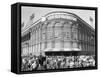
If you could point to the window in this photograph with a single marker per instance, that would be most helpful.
(74, 33)
(67, 31)
(57, 30)
(49, 32)
(26, 37)
(43, 34)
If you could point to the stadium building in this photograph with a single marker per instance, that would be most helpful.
(58, 33)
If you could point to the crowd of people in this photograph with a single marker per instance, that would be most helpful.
(56, 62)
(32, 62)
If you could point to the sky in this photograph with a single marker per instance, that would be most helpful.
(27, 11)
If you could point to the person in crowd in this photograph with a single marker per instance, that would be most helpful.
(41, 60)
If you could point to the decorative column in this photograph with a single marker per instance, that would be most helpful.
(39, 37)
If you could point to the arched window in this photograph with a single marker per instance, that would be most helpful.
(67, 31)
(57, 30)
(50, 30)
(58, 34)
(67, 36)
(74, 32)
(43, 32)
(44, 36)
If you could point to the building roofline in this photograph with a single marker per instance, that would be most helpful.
(74, 15)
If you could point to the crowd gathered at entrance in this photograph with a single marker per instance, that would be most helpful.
(32, 62)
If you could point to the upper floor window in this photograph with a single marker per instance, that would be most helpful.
(26, 37)
(57, 30)
(74, 32)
